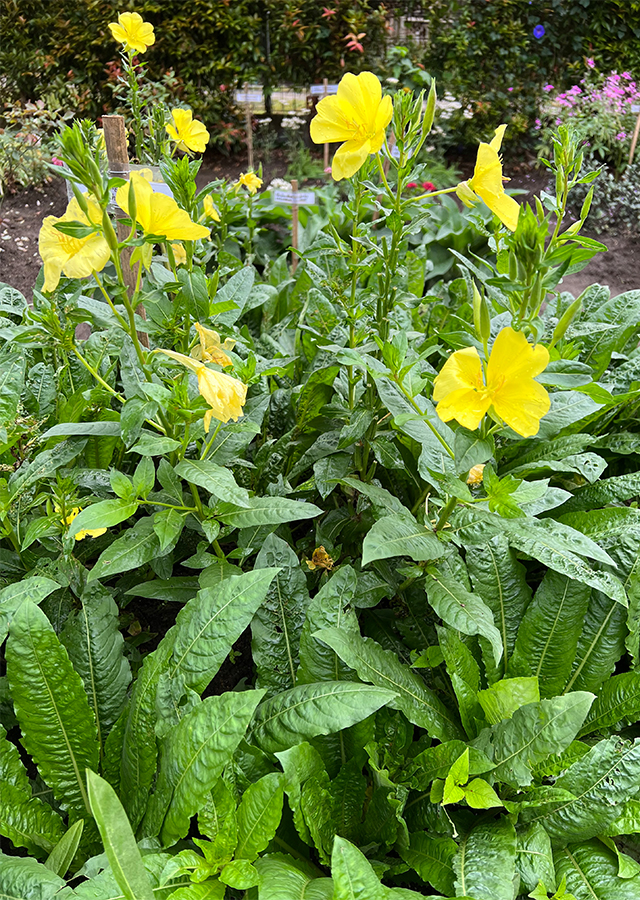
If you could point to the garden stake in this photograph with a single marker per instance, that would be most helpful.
(249, 128)
(294, 224)
(634, 140)
(325, 84)
(115, 139)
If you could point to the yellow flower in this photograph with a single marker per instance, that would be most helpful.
(476, 474)
(358, 115)
(487, 185)
(462, 393)
(225, 395)
(87, 532)
(210, 349)
(187, 134)
(320, 559)
(77, 257)
(210, 212)
(179, 254)
(158, 213)
(249, 180)
(132, 31)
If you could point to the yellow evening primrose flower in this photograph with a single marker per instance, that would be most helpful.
(86, 532)
(210, 212)
(225, 395)
(210, 349)
(76, 257)
(487, 183)
(132, 31)
(358, 115)
(179, 254)
(249, 180)
(187, 134)
(463, 394)
(476, 474)
(157, 213)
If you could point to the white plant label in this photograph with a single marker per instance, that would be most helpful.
(294, 198)
(317, 90)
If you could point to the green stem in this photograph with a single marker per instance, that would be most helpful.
(445, 512)
(435, 431)
(211, 440)
(97, 376)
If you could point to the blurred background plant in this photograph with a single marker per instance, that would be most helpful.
(26, 143)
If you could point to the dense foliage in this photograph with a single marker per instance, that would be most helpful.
(322, 644)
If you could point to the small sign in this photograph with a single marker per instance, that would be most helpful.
(635, 107)
(319, 90)
(294, 198)
(156, 186)
(395, 151)
(251, 95)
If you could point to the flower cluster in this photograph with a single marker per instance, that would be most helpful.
(293, 123)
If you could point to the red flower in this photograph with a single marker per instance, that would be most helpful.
(412, 185)
(428, 186)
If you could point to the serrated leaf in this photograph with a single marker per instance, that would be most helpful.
(266, 511)
(193, 757)
(533, 733)
(118, 840)
(259, 815)
(58, 727)
(95, 646)
(276, 627)
(216, 479)
(462, 610)
(486, 860)
(548, 635)
(384, 669)
(309, 710)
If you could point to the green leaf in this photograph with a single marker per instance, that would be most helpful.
(276, 627)
(480, 795)
(266, 511)
(119, 843)
(168, 525)
(65, 850)
(44, 465)
(58, 727)
(533, 733)
(504, 697)
(621, 312)
(462, 610)
(193, 757)
(12, 369)
(240, 874)
(400, 535)
(284, 878)
(151, 444)
(331, 607)
(208, 626)
(353, 875)
(259, 815)
(601, 781)
(500, 580)
(33, 590)
(27, 879)
(136, 546)
(95, 646)
(618, 700)
(486, 860)
(435, 762)
(548, 635)
(608, 490)
(432, 858)
(567, 408)
(591, 870)
(72, 429)
(534, 859)
(28, 821)
(601, 644)
(308, 710)
(216, 479)
(236, 290)
(384, 669)
(105, 514)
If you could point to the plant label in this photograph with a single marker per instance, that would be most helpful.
(294, 198)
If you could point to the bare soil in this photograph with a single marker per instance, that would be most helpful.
(21, 216)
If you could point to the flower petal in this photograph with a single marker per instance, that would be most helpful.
(522, 405)
(363, 94)
(467, 406)
(496, 142)
(513, 357)
(349, 158)
(332, 122)
(463, 369)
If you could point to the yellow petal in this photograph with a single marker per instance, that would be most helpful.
(488, 171)
(519, 400)
(503, 206)
(463, 369)
(349, 158)
(225, 395)
(513, 357)
(209, 209)
(332, 122)
(363, 94)
(466, 405)
(522, 406)
(496, 142)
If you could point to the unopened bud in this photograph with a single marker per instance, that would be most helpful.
(465, 194)
(567, 318)
(81, 199)
(481, 318)
(131, 202)
(430, 109)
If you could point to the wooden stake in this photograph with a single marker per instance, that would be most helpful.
(115, 139)
(325, 84)
(249, 128)
(634, 140)
(294, 225)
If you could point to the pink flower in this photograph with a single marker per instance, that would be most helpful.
(327, 171)
(412, 185)
(591, 63)
(327, 13)
(627, 75)
(620, 136)
(428, 186)
(509, 88)
(547, 88)
(56, 161)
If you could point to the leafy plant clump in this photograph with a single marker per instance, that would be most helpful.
(316, 584)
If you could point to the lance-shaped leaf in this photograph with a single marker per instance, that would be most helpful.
(533, 733)
(400, 535)
(534, 859)
(600, 645)
(65, 850)
(28, 821)
(216, 479)
(193, 757)
(462, 610)
(308, 710)
(284, 878)
(549, 632)
(138, 545)
(12, 368)
(486, 861)
(27, 879)
(432, 858)
(591, 872)
(14, 595)
(601, 781)
(95, 646)
(259, 815)
(119, 843)
(383, 668)
(266, 511)
(618, 700)
(58, 726)
(276, 627)
(354, 877)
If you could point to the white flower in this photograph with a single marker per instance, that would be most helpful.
(392, 80)
(279, 184)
